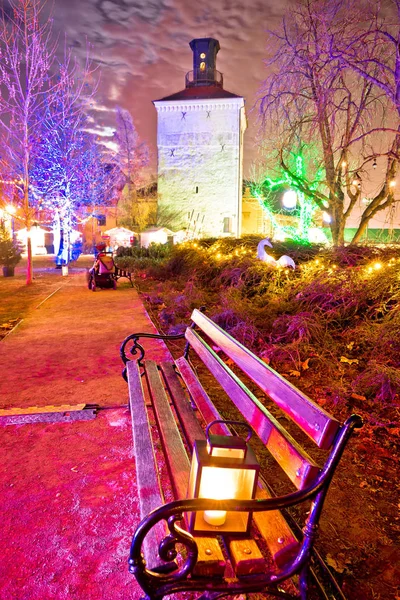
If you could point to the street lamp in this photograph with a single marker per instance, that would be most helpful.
(326, 217)
(289, 199)
(223, 467)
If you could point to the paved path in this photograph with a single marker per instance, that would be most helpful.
(68, 490)
(66, 351)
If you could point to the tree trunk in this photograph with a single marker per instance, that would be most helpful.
(29, 266)
(337, 230)
(360, 231)
(336, 202)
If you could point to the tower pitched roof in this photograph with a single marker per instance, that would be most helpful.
(204, 92)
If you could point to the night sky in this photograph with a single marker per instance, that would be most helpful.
(142, 48)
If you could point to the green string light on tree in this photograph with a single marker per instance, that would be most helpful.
(307, 207)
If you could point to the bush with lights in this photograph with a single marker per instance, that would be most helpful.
(333, 323)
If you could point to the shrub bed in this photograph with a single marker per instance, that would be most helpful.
(333, 320)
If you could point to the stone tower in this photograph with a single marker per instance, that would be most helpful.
(200, 151)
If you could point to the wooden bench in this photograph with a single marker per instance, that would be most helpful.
(169, 408)
(118, 273)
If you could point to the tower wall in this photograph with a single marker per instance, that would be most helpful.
(200, 151)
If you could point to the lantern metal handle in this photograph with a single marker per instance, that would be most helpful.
(241, 423)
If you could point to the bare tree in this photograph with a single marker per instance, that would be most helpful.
(27, 55)
(131, 157)
(373, 53)
(313, 101)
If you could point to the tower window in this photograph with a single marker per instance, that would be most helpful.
(197, 189)
(202, 55)
(202, 66)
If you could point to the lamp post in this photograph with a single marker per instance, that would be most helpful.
(223, 467)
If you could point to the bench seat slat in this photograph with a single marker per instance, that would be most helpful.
(247, 558)
(174, 450)
(273, 526)
(148, 483)
(313, 420)
(243, 562)
(187, 418)
(298, 466)
(211, 561)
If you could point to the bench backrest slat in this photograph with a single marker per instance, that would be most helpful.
(176, 458)
(298, 466)
(319, 425)
(200, 397)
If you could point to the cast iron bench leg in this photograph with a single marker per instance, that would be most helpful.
(303, 583)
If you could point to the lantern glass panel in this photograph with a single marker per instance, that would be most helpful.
(194, 470)
(222, 484)
(227, 452)
(221, 473)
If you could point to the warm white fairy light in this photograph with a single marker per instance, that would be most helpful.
(12, 181)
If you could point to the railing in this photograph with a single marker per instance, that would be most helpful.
(206, 77)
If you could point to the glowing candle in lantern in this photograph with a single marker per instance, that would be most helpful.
(218, 484)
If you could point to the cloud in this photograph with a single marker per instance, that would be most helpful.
(102, 131)
(142, 48)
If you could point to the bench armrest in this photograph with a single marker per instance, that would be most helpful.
(131, 346)
(172, 513)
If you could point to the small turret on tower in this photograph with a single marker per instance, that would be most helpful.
(204, 62)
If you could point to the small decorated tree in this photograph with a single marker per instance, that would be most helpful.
(10, 252)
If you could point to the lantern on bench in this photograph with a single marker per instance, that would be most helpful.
(224, 467)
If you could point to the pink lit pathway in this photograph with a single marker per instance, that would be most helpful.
(68, 492)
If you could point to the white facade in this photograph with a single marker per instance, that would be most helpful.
(200, 156)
